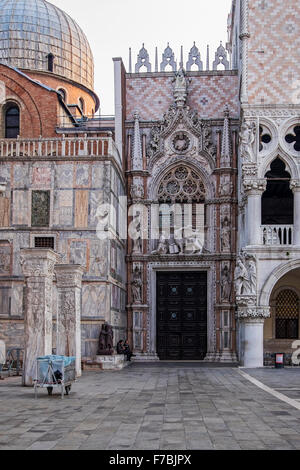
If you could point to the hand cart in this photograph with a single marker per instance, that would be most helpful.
(55, 372)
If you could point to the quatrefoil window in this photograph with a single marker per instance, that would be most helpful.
(294, 138)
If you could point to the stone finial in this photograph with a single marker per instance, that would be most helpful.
(221, 58)
(168, 59)
(194, 58)
(207, 58)
(130, 61)
(137, 157)
(226, 141)
(143, 60)
(156, 60)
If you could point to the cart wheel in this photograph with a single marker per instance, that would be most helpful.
(50, 389)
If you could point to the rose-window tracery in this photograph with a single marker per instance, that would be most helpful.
(181, 184)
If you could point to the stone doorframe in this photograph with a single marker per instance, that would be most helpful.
(201, 266)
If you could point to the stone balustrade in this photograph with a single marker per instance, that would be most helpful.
(277, 235)
(60, 147)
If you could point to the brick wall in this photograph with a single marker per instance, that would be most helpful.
(274, 27)
(152, 94)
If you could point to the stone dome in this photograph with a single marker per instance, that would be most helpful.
(30, 30)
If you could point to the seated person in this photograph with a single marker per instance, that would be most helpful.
(120, 347)
(127, 351)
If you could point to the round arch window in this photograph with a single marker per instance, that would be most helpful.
(12, 121)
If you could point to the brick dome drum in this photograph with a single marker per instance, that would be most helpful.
(30, 30)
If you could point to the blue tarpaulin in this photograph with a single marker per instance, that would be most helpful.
(56, 362)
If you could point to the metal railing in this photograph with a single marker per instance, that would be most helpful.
(60, 147)
(277, 235)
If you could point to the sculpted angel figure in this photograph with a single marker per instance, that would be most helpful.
(241, 278)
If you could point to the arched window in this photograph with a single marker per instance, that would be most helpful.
(81, 104)
(63, 94)
(278, 199)
(181, 195)
(12, 122)
(287, 315)
(50, 58)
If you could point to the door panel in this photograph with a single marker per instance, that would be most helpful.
(182, 315)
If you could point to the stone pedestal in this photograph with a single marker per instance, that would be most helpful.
(68, 336)
(115, 362)
(38, 268)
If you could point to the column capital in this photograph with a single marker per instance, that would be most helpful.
(254, 186)
(38, 262)
(68, 275)
(253, 313)
(295, 186)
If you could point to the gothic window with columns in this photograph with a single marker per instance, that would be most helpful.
(287, 315)
(278, 199)
(181, 195)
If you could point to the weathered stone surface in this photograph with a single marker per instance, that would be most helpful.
(38, 269)
(68, 341)
(95, 300)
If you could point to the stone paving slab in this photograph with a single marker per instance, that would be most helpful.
(148, 406)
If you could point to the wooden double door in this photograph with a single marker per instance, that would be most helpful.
(181, 315)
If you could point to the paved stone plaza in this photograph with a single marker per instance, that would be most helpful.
(156, 406)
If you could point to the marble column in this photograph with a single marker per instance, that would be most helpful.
(295, 186)
(38, 268)
(254, 191)
(68, 340)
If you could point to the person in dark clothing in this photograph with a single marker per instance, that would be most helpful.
(127, 351)
(120, 347)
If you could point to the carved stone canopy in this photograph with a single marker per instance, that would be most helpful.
(186, 118)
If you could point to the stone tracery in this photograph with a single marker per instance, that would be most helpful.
(181, 184)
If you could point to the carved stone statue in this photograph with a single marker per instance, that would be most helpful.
(181, 142)
(163, 247)
(193, 243)
(105, 345)
(247, 137)
(225, 235)
(136, 285)
(137, 191)
(252, 276)
(180, 87)
(137, 241)
(225, 284)
(241, 278)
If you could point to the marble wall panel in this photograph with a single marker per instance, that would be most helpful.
(12, 333)
(98, 175)
(20, 208)
(82, 175)
(17, 300)
(5, 300)
(21, 177)
(5, 259)
(4, 211)
(96, 198)
(63, 208)
(81, 208)
(98, 258)
(41, 176)
(5, 172)
(64, 176)
(94, 300)
(78, 252)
